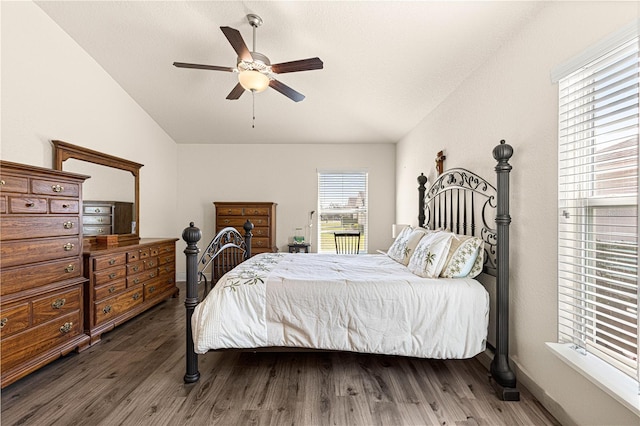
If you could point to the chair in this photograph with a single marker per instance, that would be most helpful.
(347, 242)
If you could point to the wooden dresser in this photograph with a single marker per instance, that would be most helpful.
(125, 281)
(41, 307)
(262, 215)
(106, 217)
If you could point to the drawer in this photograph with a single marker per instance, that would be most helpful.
(153, 251)
(109, 289)
(56, 305)
(19, 252)
(167, 249)
(150, 263)
(167, 268)
(97, 209)
(168, 258)
(27, 205)
(258, 232)
(14, 184)
(230, 211)
(238, 222)
(109, 275)
(13, 319)
(135, 267)
(134, 280)
(138, 254)
(110, 261)
(156, 288)
(256, 211)
(260, 243)
(114, 306)
(52, 187)
(57, 205)
(258, 221)
(33, 276)
(33, 341)
(96, 220)
(13, 227)
(96, 229)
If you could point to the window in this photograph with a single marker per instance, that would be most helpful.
(342, 206)
(598, 207)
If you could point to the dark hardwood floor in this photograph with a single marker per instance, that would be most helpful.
(134, 377)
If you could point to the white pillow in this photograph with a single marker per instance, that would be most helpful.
(429, 256)
(405, 243)
(462, 260)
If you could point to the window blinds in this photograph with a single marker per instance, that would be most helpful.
(342, 206)
(598, 208)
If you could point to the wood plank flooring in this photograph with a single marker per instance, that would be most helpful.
(134, 377)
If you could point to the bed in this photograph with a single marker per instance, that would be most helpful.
(420, 299)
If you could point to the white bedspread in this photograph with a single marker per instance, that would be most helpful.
(360, 303)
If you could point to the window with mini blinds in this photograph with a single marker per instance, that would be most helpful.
(598, 208)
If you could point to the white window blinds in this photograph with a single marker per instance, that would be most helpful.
(598, 208)
(342, 206)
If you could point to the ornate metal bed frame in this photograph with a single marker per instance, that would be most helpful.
(459, 200)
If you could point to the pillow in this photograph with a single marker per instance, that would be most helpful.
(462, 260)
(405, 243)
(429, 256)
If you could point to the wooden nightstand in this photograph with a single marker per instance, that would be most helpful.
(299, 248)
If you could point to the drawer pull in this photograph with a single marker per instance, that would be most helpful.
(106, 309)
(59, 303)
(229, 211)
(57, 188)
(67, 225)
(135, 268)
(112, 261)
(227, 221)
(151, 264)
(70, 268)
(113, 275)
(136, 296)
(68, 247)
(65, 206)
(112, 289)
(66, 327)
(97, 210)
(30, 204)
(152, 275)
(152, 289)
(3, 321)
(100, 231)
(136, 280)
(2, 182)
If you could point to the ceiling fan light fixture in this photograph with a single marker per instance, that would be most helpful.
(254, 81)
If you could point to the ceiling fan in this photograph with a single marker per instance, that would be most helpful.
(255, 71)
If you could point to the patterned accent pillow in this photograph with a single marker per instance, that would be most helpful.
(405, 244)
(430, 254)
(462, 260)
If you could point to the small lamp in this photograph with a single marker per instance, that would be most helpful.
(396, 229)
(254, 81)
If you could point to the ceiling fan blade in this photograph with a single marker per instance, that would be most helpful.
(236, 92)
(300, 65)
(202, 67)
(237, 42)
(286, 90)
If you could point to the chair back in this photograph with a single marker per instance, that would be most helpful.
(347, 242)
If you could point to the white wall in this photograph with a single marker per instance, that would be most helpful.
(284, 174)
(52, 89)
(512, 97)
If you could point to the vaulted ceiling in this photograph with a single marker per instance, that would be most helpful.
(386, 64)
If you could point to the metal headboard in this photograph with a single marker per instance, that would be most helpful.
(464, 203)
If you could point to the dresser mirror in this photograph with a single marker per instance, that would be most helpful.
(114, 186)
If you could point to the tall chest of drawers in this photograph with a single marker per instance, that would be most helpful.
(41, 306)
(126, 281)
(261, 214)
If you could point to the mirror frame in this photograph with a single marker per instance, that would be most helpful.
(64, 151)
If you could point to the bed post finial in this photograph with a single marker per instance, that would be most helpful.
(191, 236)
(422, 181)
(504, 377)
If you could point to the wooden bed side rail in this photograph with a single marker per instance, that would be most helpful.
(191, 235)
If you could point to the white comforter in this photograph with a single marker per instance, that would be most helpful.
(360, 303)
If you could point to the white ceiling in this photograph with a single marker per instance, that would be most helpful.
(386, 64)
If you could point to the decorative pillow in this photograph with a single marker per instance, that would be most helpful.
(405, 243)
(429, 256)
(462, 260)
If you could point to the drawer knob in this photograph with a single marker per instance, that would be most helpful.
(226, 221)
(3, 321)
(68, 247)
(100, 231)
(67, 225)
(229, 211)
(151, 264)
(112, 289)
(65, 206)
(30, 204)
(106, 309)
(66, 327)
(2, 182)
(152, 289)
(113, 275)
(136, 296)
(97, 210)
(58, 303)
(136, 281)
(112, 261)
(57, 188)
(100, 220)
(135, 268)
(70, 268)
(152, 275)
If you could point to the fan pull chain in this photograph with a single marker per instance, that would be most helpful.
(253, 106)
